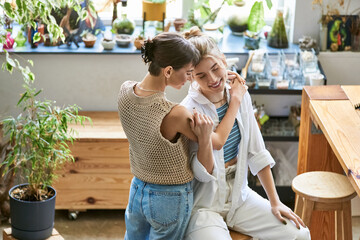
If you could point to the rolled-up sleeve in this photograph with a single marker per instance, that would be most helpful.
(200, 172)
(260, 160)
(258, 156)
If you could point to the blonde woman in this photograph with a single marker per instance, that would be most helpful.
(223, 199)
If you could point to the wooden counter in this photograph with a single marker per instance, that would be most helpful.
(100, 177)
(329, 141)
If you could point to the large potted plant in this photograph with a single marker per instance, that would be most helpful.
(154, 10)
(36, 141)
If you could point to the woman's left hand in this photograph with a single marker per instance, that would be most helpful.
(238, 86)
(280, 211)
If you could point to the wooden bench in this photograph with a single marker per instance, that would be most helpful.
(239, 236)
(100, 177)
(7, 235)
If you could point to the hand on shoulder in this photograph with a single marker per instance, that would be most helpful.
(238, 86)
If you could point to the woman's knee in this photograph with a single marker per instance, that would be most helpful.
(209, 233)
(303, 234)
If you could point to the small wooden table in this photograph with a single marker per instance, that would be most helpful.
(335, 147)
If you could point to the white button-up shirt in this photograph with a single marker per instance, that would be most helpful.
(209, 189)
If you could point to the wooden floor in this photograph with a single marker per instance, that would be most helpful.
(110, 225)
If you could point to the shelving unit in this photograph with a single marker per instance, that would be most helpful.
(287, 196)
(288, 134)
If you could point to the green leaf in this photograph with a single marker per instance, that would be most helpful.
(269, 4)
(19, 4)
(31, 62)
(37, 37)
(22, 98)
(9, 68)
(256, 18)
(8, 10)
(10, 61)
(37, 93)
(31, 76)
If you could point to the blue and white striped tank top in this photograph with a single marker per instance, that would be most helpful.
(231, 147)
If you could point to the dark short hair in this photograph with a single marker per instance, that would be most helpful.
(168, 49)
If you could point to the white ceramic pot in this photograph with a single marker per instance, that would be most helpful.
(108, 45)
(123, 40)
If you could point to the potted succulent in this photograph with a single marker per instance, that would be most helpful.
(179, 24)
(36, 141)
(108, 41)
(139, 41)
(88, 38)
(123, 40)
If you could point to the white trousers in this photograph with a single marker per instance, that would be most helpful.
(253, 218)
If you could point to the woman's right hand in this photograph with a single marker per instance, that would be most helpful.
(202, 126)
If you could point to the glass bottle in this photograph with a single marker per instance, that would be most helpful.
(20, 39)
(277, 37)
(123, 25)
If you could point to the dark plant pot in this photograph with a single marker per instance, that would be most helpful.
(32, 220)
(238, 28)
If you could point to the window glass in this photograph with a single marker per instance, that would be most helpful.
(134, 9)
(175, 8)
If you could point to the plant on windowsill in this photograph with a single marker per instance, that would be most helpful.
(154, 10)
(35, 143)
(88, 38)
(256, 20)
(139, 40)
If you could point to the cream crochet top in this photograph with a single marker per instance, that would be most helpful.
(153, 158)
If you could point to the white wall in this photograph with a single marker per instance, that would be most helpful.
(306, 22)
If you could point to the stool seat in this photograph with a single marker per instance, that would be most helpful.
(238, 236)
(323, 186)
(325, 191)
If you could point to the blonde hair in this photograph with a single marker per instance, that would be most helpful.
(204, 43)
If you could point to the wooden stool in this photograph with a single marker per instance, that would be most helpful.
(325, 191)
(7, 235)
(239, 236)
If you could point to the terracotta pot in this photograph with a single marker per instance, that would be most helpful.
(179, 24)
(89, 43)
(138, 43)
(153, 11)
(40, 29)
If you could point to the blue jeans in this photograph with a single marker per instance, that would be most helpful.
(158, 211)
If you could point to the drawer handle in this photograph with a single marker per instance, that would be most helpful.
(76, 159)
(72, 171)
(91, 200)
